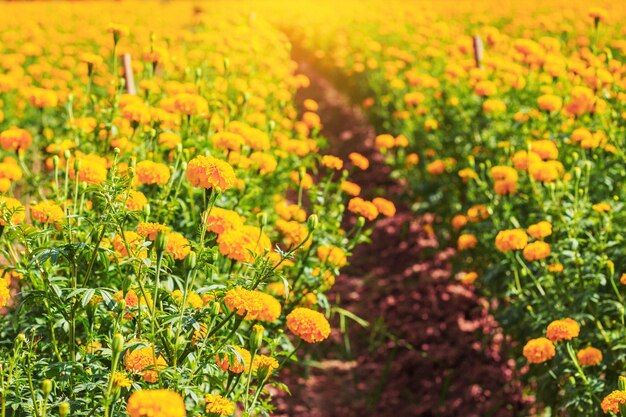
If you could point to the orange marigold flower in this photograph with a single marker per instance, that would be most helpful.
(477, 213)
(191, 104)
(227, 141)
(242, 244)
(41, 97)
(384, 206)
(612, 402)
(150, 230)
(238, 364)
(493, 105)
(141, 361)
(602, 207)
(363, 208)
(216, 405)
(555, 267)
(92, 168)
(513, 239)
(209, 172)
(156, 403)
(149, 172)
(130, 244)
(466, 241)
(252, 304)
(539, 350)
(11, 211)
(565, 329)
(522, 159)
(485, 88)
(5, 293)
(46, 212)
(169, 140)
(333, 255)
(332, 162)
(221, 220)
(311, 326)
(458, 221)
(622, 279)
(536, 251)
(359, 160)
(540, 230)
(384, 141)
(437, 167)
(468, 278)
(589, 356)
(545, 148)
(193, 299)
(350, 188)
(598, 14)
(548, 171)
(14, 139)
(293, 232)
(177, 245)
(136, 200)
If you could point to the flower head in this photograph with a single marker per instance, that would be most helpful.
(310, 325)
(612, 402)
(560, 330)
(539, 350)
(589, 356)
(209, 172)
(513, 239)
(216, 405)
(156, 403)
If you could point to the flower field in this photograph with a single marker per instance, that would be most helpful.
(178, 217)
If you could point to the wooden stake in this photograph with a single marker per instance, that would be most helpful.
(128, 74)
(479, 50)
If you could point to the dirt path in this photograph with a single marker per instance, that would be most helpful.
(431, 350)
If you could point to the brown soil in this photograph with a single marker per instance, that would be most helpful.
(431, 348)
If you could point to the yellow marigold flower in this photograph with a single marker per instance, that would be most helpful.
(221, 220)
(565, 329)
(548, 171)
(227, 141)
(216, 405)
(10, 170)
(477, 213)
(169, 140)
(150, 230)
(156, 403)
(238, 365)
(539, 350)
(46, 212)
(306, 180)
(264, 162)
(503, 172)
(5, 293)
(622, 279)
(242, 244)
(505, 187)
(493, 105)
(193, 299)
(431, 124)
(468, 278)
(332, 162)
(612, 402)
(92, 168)
(11, 211)
(384, 206)
(137, 113)
(136, 200)
(290, 211)
(191, 104)
(310, 105)
(333, 255)
(177, 246)
(513, 239)
(120, 380)
(536, 251)
(602, 207)
(41, 97)
(252, 304)
(264, 364)
(359, 160)
(15, 139)
(466, 241)
(555, 267)
(384, 141)
(598, 14)
(363, 208)
(467, 174)
(485, 88)
(546, 149)
(411, 160)
(581, 135)
(141, 361)
(293, 232)
(130, 244)
(93, 347)
(132, 300)
(589, 356)
(540, 230)
(550, 102)
(311, 326)
(458, 221)
(149, 172)
(209, 172)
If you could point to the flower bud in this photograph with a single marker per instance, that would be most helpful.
(262, 218)
(191, 261)
(256, 337)
(621, 383)
(64, 409)
(77, 164)
(46, 386)
(215, 309)
(121, 305)
(160, 243)
(312, 222)
(55, 161)
(118, 343)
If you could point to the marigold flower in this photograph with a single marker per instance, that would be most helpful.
(156, 403)
(209, 172)
(598, 14)
(612, 402)
(589, 356)
(238, 365)
(539, 350)
(10, 170)
(350, 188)
(602, 207)
(15, 139)
(540, 230)
(384, 206)
(363, 208)
(513, 239)
(41, 97)
(149, 172)
(92, 168)
(311, 326)
(136, 200)
(468, 278)
(332, 162)
(492, 105)
(244, 243)
(11, 211)
(333, 255)
(522, 159)
(216, 405)
(536, 251)
(466, 241)
(485, 88)
(546, 149)
(293, 232)
(555, 267)
(169, 140)
(550, 102)
(227, 141)
(46, 212)
(150, 230)
(458, 221)
(436, 167)
(141, 361)
(622, 279)
(560, 330)
(191, 104)
(5, 293)
(548, 171)
(120, 380)
(359, 160)
(384, 141)
(177, 246)
(252, 304)
(221, 220)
